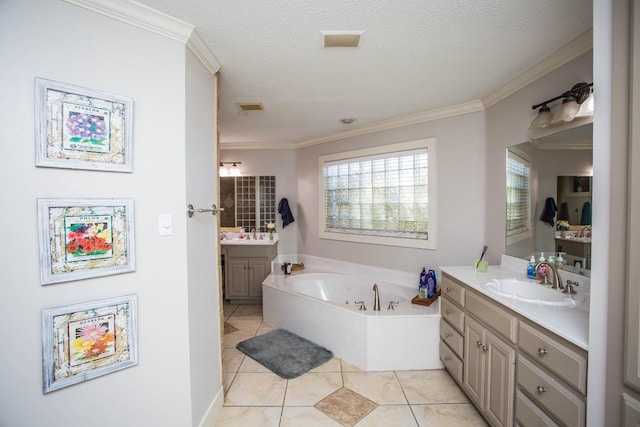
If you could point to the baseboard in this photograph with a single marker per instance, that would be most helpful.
(214, 409)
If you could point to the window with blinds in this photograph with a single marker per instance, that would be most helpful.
(518, 197)
(379, 195)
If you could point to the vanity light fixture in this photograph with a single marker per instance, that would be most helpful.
(233, 171)
(572, 107)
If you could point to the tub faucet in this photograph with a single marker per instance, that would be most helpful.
(556, 282)
(376, 298)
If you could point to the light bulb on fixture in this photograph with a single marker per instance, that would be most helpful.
(543, 119)
(234, 171)
(223, 170)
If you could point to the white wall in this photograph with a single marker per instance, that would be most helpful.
(59, 41)
(461, 147)
(280, 163)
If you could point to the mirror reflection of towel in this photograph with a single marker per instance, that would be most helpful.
(586, 214)
(549, 211)
(563, 213)
(285, 212)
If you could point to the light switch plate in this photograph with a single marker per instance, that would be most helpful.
(164, 225)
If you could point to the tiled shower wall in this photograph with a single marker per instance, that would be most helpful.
(243, 203)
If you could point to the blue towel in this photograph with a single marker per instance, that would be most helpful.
(586, 214)
(285, 212)
(549, 211)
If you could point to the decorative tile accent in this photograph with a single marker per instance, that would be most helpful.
(229, 328)
(345, 406)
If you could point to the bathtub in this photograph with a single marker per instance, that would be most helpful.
(319, 306)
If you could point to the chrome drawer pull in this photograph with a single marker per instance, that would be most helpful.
(541, 389)
(447, 358)
(485, 348)
(478, 343)
(449, 289)
(542, 351)
(448, 311)
(448, 335)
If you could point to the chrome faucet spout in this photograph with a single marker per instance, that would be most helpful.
(556, 283)
(376, 298)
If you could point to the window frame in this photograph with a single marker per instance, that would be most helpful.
(430, 243)
(528, 232)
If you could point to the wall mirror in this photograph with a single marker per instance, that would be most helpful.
(248, 201)
(558, 167)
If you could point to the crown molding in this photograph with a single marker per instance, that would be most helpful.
(257, 146)
(141, 16)
(427, 116)
(568, 52)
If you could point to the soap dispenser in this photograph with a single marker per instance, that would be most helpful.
(531, 268)
(560, 261)
(541, 259)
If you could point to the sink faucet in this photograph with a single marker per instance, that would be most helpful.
(376, 298)
(556, 282)
(582, 231)
(253, 230)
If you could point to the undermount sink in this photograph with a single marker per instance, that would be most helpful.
(531, 292)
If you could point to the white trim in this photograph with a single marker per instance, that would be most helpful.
(141, 16)
(440, 113)
(430, 145)
(214, 409)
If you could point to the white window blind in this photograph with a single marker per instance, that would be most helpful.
(518, 195)
(381, 194)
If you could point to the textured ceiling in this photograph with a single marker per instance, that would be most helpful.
(414, 56)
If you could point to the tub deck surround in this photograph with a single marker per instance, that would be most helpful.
(570, 323)
(402, 339)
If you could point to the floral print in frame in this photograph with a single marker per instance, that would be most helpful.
(84, 238)
(80, 128)
(88, 340)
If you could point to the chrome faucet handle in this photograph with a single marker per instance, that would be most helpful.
(392, 305)
(362, 306)
(570, 285)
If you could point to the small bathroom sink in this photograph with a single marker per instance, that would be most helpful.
(531, 292)
(577, 239)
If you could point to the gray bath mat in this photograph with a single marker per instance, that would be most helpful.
(284, 353)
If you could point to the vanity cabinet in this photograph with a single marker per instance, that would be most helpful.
(514, 371)
(489, 372)
(246, 267)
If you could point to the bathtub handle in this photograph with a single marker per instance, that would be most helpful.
(392, 305)
(362, 306)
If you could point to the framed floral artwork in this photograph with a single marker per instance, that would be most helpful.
(88, 340)
(84, 238)
(79, 128)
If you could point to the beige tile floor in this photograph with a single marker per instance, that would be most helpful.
(334, 394)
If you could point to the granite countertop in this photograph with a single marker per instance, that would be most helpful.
(570, 323)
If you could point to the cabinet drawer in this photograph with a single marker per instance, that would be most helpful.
(453, 314)
(452, 290)
(545, 391)
(528, 414)
(500, 321)
(555, 356)
(451, 337)
(451, 362)
(267, 251)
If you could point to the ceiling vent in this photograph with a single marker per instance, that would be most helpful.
(250, 106)
(341, 38)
